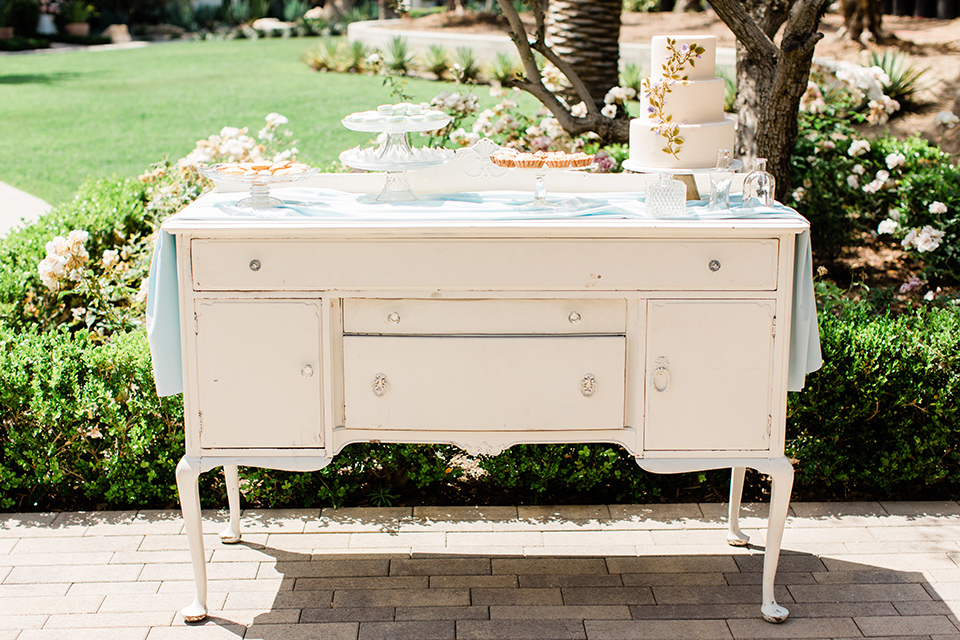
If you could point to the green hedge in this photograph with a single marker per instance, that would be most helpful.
(83, 428)
(82, 425)
(880, 420)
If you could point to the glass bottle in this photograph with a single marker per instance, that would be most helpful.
(667, 198)
(720, 179)
(758, 186)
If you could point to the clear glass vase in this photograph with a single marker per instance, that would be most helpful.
(758, 186)
(721, 177)
(666, 198)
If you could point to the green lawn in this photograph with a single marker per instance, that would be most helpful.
(66, 116)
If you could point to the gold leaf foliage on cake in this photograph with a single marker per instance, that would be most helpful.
(677, 59)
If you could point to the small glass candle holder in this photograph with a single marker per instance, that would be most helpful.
(758, 186)
(667, 198)
(721, 177)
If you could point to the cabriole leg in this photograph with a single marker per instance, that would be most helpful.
(735, 537)
(187, 476)
(231, 534)
(781, 480)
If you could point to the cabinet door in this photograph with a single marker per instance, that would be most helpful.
(709, 368)
(258, 368)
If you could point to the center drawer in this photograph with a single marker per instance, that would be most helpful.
(483, 383)
(483, 317)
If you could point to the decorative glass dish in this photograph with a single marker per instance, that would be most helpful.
(259, 182)
(395, 156)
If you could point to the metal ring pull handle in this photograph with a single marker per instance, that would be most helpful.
(307, 371)
(380, 385)
(714, 265)
(393, 318)
(661, 376)
(574, 317)
(254, 265)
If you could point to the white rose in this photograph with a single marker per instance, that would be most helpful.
(947, 119)
(895, 160)
(853, 181)
(609, 111)
(110, 258)
(858, 169)
(887, 226)
(858, 148)
(937, 207)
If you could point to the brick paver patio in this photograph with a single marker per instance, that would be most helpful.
(848, 570)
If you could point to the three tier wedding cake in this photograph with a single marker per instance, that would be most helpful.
(682, 124)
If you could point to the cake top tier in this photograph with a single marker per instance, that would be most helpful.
(677, 53)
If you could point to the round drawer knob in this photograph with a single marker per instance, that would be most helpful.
(380, 385)
(393, 318)
(574, 317)
(307, 371)
(254, 265)
(588, 385)
(714, 265)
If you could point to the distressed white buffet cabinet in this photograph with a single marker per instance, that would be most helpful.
(670, 338)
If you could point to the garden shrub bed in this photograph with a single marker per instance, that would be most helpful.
(84, 429)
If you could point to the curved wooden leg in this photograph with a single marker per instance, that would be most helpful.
(735, 537)
(231, 535)
(781, 480)
(188, 473)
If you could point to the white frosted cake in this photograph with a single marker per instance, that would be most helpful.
(682, 124)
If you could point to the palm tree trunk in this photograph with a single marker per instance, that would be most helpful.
(586, 34)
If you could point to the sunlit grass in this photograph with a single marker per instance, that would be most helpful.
(67, 116)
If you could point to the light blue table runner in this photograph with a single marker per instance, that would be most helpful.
(163, 300)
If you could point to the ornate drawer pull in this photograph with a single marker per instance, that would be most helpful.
(662, 374)
(588, 385)
(393, 318)
(254, 265)
(380, 385)
(714, 265)
(307, 371)
(574, 317)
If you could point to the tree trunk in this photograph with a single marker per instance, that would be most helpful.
(586, 34)
(863, 14)
(771, 79)
(682, 6)
(608, 129)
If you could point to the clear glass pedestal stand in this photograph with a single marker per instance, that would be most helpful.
(394, 157)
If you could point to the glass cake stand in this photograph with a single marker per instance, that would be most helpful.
(259, 197)
(395, 156)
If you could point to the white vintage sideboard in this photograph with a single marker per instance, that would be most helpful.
(669, 338)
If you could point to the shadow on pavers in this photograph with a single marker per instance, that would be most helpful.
(376, 596)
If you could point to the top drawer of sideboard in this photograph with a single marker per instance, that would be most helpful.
(480, 264)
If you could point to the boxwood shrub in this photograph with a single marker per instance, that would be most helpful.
(881, 419)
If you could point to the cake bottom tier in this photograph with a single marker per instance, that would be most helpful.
(698, 151)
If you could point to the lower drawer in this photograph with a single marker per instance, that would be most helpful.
(483, 383)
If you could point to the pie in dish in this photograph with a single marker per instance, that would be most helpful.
(286, 168)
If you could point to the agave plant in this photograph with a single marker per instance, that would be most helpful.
(505, 67)
(729, 87)
(437, 60)
(631, 77)
(354, 57)
(398, 56)
(466, 65)
(324, 58)
(905, 79)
